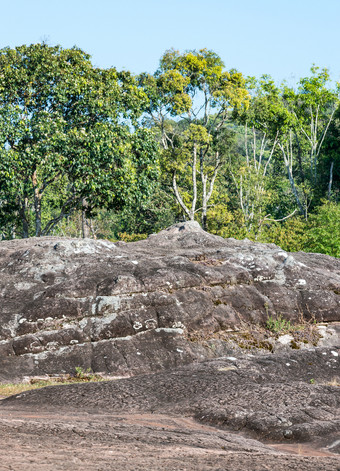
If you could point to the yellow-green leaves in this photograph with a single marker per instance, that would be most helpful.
(194, 88)
(198, 134)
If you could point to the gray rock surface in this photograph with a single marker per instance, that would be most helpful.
(276, 396)
(241, 406)
(180, 312)
(128, 309)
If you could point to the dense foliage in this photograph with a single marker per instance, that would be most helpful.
(88, 151)
(66, 140)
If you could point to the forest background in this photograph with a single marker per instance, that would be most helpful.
(107, 153)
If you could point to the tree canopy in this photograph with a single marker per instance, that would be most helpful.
(128, 155)
(67, 125)
(194, 87)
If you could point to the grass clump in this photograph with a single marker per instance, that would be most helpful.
(278, 325)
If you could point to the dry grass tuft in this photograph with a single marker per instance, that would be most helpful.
(10, 388)
(334, 382)
(81, 376)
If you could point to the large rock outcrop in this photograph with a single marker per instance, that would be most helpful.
(182, 301)
(132, 308)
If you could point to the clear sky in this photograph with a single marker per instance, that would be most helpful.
(280, 38)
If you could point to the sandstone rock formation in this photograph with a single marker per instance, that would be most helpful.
(181, 312)
(269, 396)
(241, 413)
(132, 308)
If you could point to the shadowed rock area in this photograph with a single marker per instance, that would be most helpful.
(127, 309)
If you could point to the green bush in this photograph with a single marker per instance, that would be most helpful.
(289, 235)
(323, 235)
(125, 237)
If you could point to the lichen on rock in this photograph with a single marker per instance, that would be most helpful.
(95, 304)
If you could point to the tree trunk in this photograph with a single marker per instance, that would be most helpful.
(194, 183)
(206, 195)
(85, 226)
(204, 214)
(37, 205)
(204, 179)
(24, 219)
(37, 208)
(189, 211)
(330, 181)
(204, 219)
(302, 210)
(179, 198)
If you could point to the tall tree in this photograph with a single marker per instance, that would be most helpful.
(258, 144)
(297, 121)
(195, 88)
(313, 107)
(67, 125)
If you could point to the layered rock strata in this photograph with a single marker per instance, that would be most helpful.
(131, 308)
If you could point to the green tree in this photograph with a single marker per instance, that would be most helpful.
(330, 164)
(311, 108)
(297, 122)
(195, 88)
(68, 126)
(254, 174)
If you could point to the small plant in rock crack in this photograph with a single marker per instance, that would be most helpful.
(83, 374)
(278, 325)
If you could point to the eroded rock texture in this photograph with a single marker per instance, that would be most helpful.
(270, 396)
(222, 414)
(129, 308)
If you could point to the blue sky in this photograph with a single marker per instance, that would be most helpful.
(280, 38)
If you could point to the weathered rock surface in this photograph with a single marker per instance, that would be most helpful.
(54, 442)
(267, 399)
(276, 396)
(129, 308)
(162, 310)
